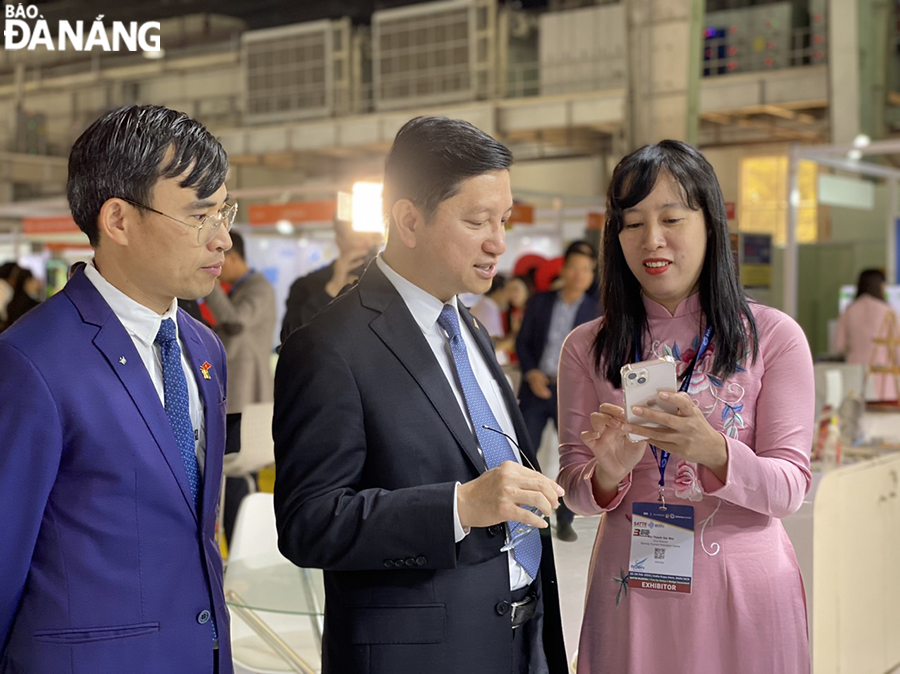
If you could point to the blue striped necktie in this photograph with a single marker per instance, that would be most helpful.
(495, 447)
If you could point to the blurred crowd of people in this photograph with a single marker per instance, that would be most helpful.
(20, 291)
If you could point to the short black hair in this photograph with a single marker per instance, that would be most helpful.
(871, 282)
(498, 283)
(722, 300)
(431, 156)
(120, 155)
(237, 245)
(581, 247)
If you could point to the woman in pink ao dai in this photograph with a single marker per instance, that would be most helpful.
(739, 442)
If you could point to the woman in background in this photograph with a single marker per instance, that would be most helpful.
(739, 443)
(864, 321)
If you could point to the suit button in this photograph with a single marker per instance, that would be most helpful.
(410, 561)
(203, 617)
(389, 563)
(502, 608)
(421, 561)
(399, 562)
(495, 530)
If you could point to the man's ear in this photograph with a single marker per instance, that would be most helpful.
(409, 221)
(115, 219)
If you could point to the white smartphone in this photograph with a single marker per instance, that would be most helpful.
(641, 384)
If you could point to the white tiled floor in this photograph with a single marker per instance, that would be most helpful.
(572, 560)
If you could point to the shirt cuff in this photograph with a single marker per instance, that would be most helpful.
(459, 531)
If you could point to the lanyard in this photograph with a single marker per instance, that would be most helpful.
(661, 456)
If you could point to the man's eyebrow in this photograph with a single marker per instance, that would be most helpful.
(206, 203)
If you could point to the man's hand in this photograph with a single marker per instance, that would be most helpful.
(539, 384)
(495, 496)
(346, 263)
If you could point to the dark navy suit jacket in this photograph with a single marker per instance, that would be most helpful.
(106, 565)
(369, 445)
(535, 328)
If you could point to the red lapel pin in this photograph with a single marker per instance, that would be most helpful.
(204, 369)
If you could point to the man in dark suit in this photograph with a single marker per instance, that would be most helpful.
(112, 419)
(549, 318)
(312, 293)
(392, 471)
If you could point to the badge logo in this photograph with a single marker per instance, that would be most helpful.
(204, 370)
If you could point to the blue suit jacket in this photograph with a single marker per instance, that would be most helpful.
(532, 337)
(106, 565)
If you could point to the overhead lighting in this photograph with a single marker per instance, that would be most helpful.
(154, 55)
(854, 155)
(861, 141)
(284, 227)
(366, 214)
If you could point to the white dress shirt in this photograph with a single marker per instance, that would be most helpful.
(425, 309)
(142, 325)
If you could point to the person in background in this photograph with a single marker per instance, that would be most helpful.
(393, 472)
(549, 318)
(490, 306)
(517, 293)
(312, 293)
(739, 430)
(6, 291)
(245, 322)
(25, 292)
(112, 419)
(864, 321)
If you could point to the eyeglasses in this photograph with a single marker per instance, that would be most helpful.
(206, 230)
(521, 531)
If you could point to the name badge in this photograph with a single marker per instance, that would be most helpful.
(662, 547)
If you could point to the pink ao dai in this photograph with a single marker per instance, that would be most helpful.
(746, 613)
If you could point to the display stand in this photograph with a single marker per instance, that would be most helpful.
(889, 337)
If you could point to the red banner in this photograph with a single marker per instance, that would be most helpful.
(63, 224)
(295, 212)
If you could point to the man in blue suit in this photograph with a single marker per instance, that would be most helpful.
(549, 318)
(112, 419)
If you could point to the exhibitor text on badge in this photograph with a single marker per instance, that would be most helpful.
(18, 34)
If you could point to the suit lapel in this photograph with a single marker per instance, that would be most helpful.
(399, 331)
(487, 351)
(212, 395)
(117, 348)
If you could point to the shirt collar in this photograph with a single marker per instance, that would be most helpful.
(425, 307)
(139, 321)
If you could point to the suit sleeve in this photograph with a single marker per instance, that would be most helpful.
(30, 451)
(773, 477)
(325, 520)
(235, 313)
(527, 339)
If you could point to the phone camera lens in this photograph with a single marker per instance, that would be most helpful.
(642, 380)
(632, 375)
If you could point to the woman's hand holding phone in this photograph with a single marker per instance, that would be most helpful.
(616, 455)
(686, 433)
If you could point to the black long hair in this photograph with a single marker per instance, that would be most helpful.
(723, 302)
(871, 282)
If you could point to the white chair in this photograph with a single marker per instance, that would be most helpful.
(257, 451)
(257, 446)
(273, 629)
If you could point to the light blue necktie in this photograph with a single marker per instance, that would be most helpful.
(495, 447)
(178, 409)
